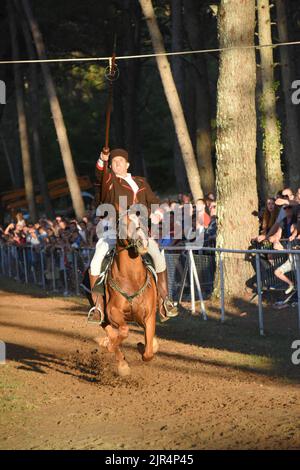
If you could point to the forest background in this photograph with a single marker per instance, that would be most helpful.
(141, 118)
(239, 132)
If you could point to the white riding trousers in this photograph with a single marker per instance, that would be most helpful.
(104, 245)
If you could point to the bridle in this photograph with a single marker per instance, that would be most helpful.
(135, 243)
(112, 283)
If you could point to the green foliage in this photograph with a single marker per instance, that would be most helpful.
(262, 120)
(82, 93)
(76, 29)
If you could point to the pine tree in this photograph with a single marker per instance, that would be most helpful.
(269, 123)
(236, 137)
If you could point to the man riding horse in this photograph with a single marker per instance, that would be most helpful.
(115, 182)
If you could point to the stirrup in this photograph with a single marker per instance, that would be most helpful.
(163, 317)
(170, 308)
(90, 314)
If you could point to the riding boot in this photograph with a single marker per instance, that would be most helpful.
(167, 308)
(96, 313)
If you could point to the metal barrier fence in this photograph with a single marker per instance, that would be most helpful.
(191, 271)
(53, 269)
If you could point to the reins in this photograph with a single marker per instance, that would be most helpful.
(128, 297)
(113, 284)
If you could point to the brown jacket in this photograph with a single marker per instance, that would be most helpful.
(111, 187)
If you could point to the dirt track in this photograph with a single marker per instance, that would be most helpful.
(59, 391)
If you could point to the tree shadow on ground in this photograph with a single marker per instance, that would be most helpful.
(240, 334)
(268, 355)
(31, 360)
(32, 290)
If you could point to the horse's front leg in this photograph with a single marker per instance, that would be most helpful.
(107, 341)
(117, 339)
(151, 346)
(122, 364)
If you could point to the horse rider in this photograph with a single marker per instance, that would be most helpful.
(113, 183)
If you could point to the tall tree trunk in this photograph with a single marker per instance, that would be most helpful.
(59, 124)
(34, 101)
(269, 123)
(262, 187)
(190, 102)
(173, 101)
(9, 162)
(236, 137)
(24, 142)
(178, 75)
(292, 148)
(195, 33)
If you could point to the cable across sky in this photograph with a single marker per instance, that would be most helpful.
(145, 56)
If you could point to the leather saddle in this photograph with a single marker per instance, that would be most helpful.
(106, 263)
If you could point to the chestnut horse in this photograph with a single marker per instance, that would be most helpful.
(131, 296)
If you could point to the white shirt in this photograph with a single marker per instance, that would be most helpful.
(128, 178)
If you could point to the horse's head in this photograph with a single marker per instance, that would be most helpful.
(131, 234)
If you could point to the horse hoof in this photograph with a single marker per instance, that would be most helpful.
(123, 369)
(141, 348)
(147, 358)
(155, 345)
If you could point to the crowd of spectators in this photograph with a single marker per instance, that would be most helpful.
(60, 232)
(279, 220)
(74, 234)
(279, 227)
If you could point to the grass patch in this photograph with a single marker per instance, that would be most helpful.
(10, 396)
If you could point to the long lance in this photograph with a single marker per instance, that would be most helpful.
(111, 74)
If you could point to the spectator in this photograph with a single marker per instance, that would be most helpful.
(202, 217)
(209, 199)
(287, 229)
(32, 237)
(287, 197)
(288, 266)
(297, 196)
(20, 221)
(42, 234)
(211, 231)
(269, 217)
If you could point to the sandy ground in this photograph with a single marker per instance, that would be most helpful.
(205, 389)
